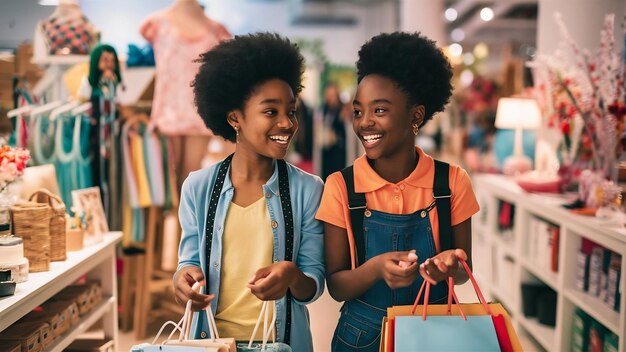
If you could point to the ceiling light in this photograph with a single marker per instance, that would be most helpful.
(451, 14)
(48, 2)
(466, 78)
(455, 49)
(457, 35)
(486, 14)
(481, 51)
(468, 59)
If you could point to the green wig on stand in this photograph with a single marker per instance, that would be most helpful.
(94, 71)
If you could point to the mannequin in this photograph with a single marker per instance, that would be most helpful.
(179, 34)
(65, 32)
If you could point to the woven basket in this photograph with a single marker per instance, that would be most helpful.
(31, 222)
(58, 249)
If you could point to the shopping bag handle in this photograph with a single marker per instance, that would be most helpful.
(451, 294)
(184, 324)
(267, 330)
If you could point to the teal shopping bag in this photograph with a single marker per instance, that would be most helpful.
(445, 333)
(448, 332)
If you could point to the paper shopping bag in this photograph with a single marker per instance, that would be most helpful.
(470, 309)
(183, 342)
(268, 330)
(146, 347)
(476, 333)
(495, 319)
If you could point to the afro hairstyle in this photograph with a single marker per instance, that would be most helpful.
(230, 72)
(414, 63)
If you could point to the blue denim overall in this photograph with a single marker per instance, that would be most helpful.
(360, 322)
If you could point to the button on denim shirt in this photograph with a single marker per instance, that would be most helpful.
(308, 252)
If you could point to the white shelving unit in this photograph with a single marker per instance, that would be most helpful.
(97, 262)
(494, 248)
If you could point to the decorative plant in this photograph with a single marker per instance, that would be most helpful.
(585, 100)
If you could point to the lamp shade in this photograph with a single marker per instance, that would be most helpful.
(518, 113)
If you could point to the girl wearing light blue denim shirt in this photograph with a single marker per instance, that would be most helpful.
(245, 92)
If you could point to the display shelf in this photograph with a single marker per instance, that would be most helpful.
(506, 246)
(595, 308)
(505, 298)
(547, 276)
(491, 189)
(545, 335)
(83, 324)
(96, 262)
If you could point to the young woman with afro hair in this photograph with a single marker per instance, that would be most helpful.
(383, 224)
(249, 227)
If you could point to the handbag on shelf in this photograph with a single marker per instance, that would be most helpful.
(58, 247)
(183, 343)
(31, 222)
(477, 326)
(267, 331)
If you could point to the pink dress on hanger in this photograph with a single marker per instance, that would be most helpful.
(173, 109)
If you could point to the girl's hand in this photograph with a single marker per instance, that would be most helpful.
(108, 75)
(184, 279)
(443, 265)
(398, 269)
(272, 282)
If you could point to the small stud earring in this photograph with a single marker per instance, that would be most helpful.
(415, 129)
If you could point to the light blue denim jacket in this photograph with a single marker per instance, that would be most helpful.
(308, 254)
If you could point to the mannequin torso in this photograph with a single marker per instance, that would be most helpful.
(179, 34)
(65, 32)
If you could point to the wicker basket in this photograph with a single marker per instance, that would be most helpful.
(31, 222)
(78, 294)
(33, 337)
(58, 250)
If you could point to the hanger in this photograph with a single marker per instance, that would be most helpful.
(19, 111)
(81, 108)
(138, 118)
(63, 109)
(45, 108)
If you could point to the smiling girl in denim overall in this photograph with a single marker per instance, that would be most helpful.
(396, 213)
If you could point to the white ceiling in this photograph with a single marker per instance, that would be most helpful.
(515, 21)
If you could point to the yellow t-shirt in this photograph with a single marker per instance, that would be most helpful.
(248, 246)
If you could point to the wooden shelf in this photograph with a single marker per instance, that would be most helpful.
(83, 324)
(593, 306)
(97, 262)
(491, 188)
(548, 277)
(544, 334)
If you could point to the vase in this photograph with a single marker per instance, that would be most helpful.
(8, 197)
(10, 194)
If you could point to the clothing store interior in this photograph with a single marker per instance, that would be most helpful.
(312, 175)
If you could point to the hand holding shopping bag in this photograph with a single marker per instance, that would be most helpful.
(464, 327)
(184, 343)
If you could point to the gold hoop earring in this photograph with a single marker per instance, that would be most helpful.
(415, 129)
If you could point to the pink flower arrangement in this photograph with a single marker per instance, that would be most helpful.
(12, 164)
(585, 100)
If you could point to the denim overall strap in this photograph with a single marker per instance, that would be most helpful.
(285, 201)
(442, 195)
(357, 206)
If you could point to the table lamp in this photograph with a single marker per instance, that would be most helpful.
(518, 114)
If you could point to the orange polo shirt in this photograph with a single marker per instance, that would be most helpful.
(405, 197)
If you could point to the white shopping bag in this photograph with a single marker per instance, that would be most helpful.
(183, 343)
(267, 331)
